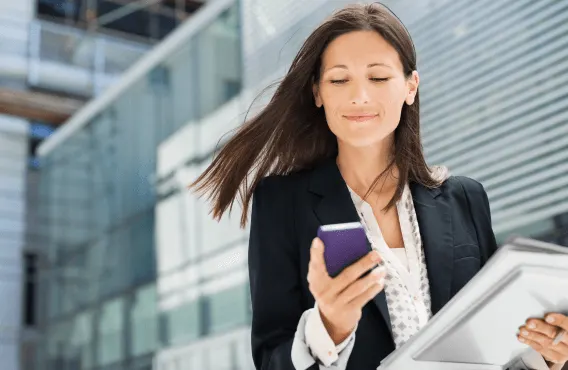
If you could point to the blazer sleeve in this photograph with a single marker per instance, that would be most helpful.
(481, 216)
(275, 285)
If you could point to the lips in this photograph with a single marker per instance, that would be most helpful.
(361, 117)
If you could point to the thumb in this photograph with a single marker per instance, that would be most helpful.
(317, 254)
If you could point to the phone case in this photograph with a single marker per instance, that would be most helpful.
(344, 244)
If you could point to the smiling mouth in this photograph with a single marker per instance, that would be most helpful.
(361, 118)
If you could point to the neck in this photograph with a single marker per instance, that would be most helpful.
(360, 167)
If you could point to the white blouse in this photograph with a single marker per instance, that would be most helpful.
(400, 253)
(407, 288)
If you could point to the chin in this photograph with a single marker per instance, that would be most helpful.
(361, 141)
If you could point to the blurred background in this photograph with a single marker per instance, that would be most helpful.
(109, 108)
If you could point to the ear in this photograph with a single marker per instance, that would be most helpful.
(412, 83)
(317, 97)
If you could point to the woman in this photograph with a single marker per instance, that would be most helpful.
(340, 140)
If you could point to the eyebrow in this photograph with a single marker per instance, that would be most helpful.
(342, 66)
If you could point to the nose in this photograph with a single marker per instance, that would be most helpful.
(359, 94)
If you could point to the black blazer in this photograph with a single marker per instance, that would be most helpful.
(455, 225)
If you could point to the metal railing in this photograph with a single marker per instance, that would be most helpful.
(80, 48)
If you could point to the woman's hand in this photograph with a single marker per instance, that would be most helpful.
(539, 334)
(341, 299)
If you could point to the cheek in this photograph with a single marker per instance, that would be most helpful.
(331, 98)
(393, 104)
(394, 96)
(332, 104)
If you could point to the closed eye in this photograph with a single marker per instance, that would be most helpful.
(339, 82)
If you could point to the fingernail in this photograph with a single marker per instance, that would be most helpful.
(381, 281)
(376, 272)
(550, 319)
(375, 256)
(315, 243)
(532, 325)
(525, 333)
(521, 340)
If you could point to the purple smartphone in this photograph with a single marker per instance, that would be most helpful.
(344, 245)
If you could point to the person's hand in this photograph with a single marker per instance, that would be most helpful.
(539, 334)
(341, 299)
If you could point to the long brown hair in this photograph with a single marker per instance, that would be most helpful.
(291, 133)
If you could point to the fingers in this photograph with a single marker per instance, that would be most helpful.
(354, 272)
(362, 285)
(325, 288)
(549, 353)
(362, 299)
(540, 336)
(543, 340)
(557, 319)
(542, 327)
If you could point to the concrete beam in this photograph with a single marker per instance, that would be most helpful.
(38, 106)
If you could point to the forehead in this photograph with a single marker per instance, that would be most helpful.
(360, 47)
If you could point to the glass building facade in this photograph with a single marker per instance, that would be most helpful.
(98, 198)
(138, 270)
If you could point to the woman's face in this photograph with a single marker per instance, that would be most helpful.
(362, 88)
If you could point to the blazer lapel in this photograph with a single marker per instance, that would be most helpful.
(435, 223)
(336, 206)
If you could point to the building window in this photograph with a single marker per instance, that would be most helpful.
(232, 88)
(154, 22)
(30, 289)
